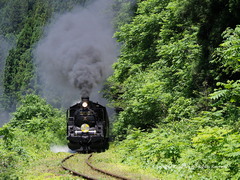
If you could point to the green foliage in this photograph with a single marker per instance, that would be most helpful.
(143, 146)
(144, 103)
(34, 127)
(226, 100)
(123, 12)
(173, 150)
(227, 55)
(34, 114)
(181, 109)
(33, 106)
(13, 14)
(8, 163)
(216, 148)
(230, 92)
(25, 20)
(172, 58)
(155, 71)
(139, 40)
(163, 73)
(19, 68)
(178, 60)
(227, 96)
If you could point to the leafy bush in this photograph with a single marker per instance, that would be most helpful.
(32, 106)
(182, 150)
(35, 116)
(227, 55)
(34, 127)
(226, 99)
(161, 147)
(8, 162)
(214, 149)
(181, 108)
(144, 103)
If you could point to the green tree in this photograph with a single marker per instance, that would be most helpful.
(18, 69)
(35, 126)
(26, 22)
(13, 13)
(175, 41)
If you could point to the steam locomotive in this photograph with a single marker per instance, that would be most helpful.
(87, 126)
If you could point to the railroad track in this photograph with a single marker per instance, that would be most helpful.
(101, 173)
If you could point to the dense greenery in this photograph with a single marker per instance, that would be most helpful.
(175, 85)
(35, 126)
(177, 82)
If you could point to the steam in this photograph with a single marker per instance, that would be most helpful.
(58, 148)
(77, 51)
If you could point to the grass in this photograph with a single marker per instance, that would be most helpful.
(111, 161)
(48, 166)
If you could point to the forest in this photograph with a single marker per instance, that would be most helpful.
(175, 86)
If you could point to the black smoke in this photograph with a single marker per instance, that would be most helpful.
(77, 51)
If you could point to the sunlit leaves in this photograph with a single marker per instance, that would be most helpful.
(154, 148)
(158, 58)
(178, 60)
(165, 77)
(218, 147)
(228, 54)
(143, 101)
(34, 127)
(230, 91)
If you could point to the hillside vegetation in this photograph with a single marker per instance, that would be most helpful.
(175, 86)
(35, 126)
(22, 25)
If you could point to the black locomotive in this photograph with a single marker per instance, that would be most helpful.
(87, 126)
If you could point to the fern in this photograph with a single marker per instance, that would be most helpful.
(219, 94)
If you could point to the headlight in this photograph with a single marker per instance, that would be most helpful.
(85, 128)
(84, 104)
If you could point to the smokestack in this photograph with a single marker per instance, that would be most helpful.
(85, 98)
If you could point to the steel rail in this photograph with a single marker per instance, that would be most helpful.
(103, 171)
(74, 172)
(92, 167)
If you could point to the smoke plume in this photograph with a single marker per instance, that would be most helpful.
(77, 51)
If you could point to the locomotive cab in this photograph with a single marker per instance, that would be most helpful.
(87, 126)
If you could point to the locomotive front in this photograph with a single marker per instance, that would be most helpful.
(87, 126)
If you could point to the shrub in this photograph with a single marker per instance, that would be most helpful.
(32, 106)
(215, 149)
(34, 127)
